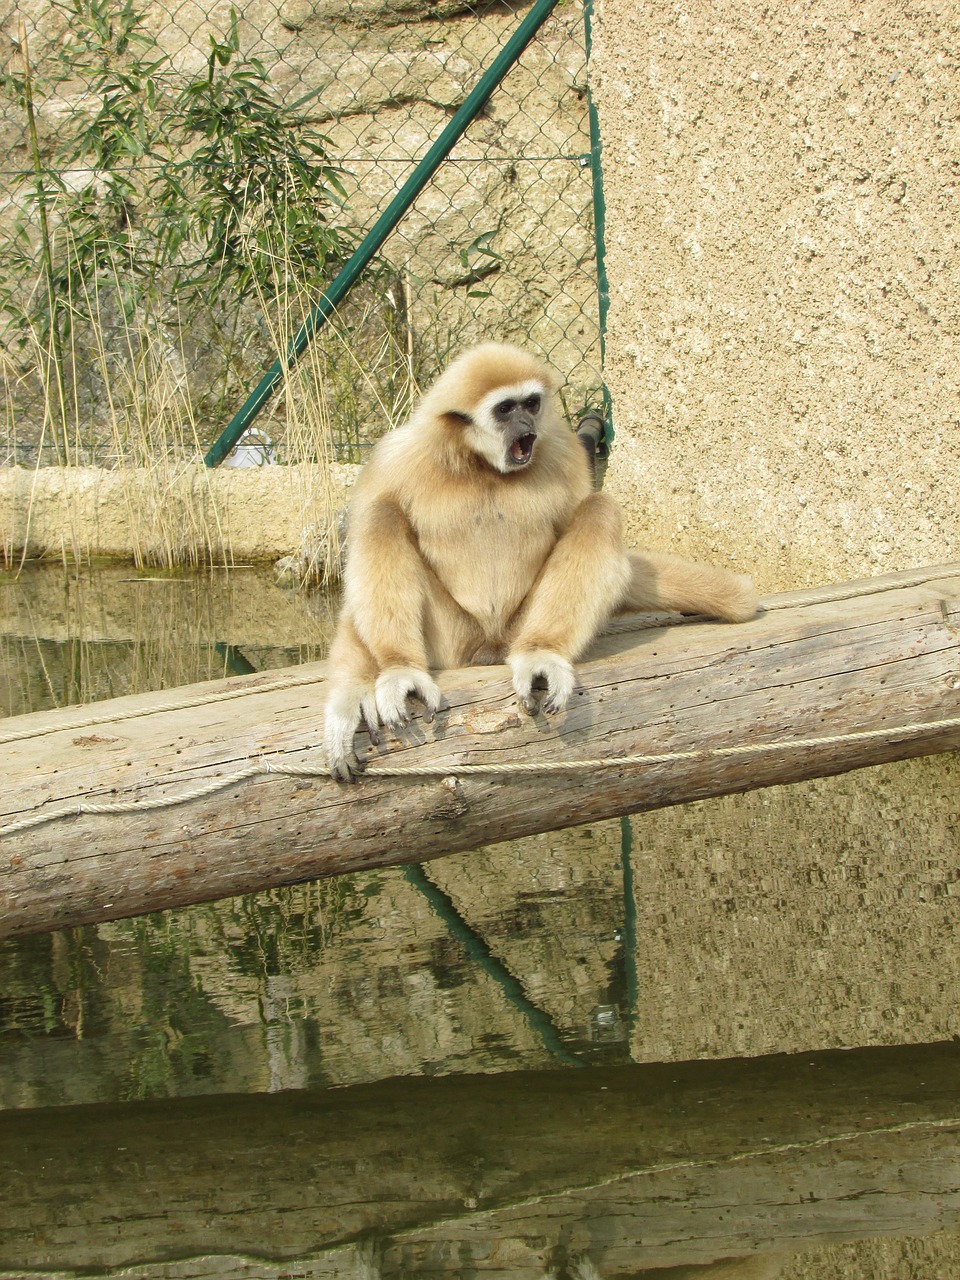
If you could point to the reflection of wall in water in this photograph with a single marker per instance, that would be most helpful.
(793, 918)
(933, 1257)
(922, 1257)
(85, 634)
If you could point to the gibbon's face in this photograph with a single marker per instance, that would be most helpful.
(503, 426)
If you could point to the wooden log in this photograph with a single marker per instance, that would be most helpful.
(822, 682)
(632, 1166)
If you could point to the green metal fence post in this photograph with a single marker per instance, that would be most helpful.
(599, 218)
(385, 224)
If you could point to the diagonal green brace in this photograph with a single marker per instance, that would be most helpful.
(385, 224)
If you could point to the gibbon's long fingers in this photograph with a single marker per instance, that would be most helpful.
(341, 722)
(398, 684)
(348, 768)
(368, 712)
(527, 667)
(350, 703)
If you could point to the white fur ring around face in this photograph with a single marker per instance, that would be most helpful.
(395, 686)
(542, 664)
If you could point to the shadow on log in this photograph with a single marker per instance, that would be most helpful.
(630, 1167)
(822, 682)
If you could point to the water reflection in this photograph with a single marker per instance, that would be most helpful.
(471, 993)
(787, 920)
(742, 1167)
(822, 914)
(360, 978)
(77, 636)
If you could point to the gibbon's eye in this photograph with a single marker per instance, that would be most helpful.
(505, 408)
(532, 404)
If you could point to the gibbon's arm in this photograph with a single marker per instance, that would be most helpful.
(385, 593)
(579, 586)
(385, 585)
(378, 657)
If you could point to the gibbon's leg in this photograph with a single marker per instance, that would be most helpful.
(660, 581)
(584, 577)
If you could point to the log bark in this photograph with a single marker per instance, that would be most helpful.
(800, 686)
(634, 1166)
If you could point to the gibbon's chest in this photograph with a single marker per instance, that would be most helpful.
(488, 547)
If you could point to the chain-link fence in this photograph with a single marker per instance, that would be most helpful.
(182, 184)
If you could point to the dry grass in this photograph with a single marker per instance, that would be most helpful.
(130, 396)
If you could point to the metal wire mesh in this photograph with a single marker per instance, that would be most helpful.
(113, 351)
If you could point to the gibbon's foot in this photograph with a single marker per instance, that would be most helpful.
(346, 711)
(398, 684)
(489, 654)
(533, 666)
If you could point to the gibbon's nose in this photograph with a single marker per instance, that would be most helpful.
(521, 423)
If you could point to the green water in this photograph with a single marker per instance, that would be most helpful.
(722, 1031)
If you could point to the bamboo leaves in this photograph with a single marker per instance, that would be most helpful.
(160, 192)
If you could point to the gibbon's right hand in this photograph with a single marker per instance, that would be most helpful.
(345, 714)
(350, 710)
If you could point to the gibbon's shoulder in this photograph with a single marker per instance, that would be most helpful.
(390, 451)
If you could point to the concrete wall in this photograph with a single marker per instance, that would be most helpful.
(783, 210)
(172, 513)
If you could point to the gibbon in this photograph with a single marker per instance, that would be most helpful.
(474, 536)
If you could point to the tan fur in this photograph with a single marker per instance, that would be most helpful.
(453, 560)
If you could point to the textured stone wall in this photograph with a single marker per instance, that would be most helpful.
(783, 210)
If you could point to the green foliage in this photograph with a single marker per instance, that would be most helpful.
(181, 211)
(259, 185)
(162, 195)
(479, 259)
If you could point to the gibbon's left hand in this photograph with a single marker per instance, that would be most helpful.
(531, 671)
(396, 686)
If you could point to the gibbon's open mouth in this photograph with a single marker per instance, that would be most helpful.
(521, 451)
